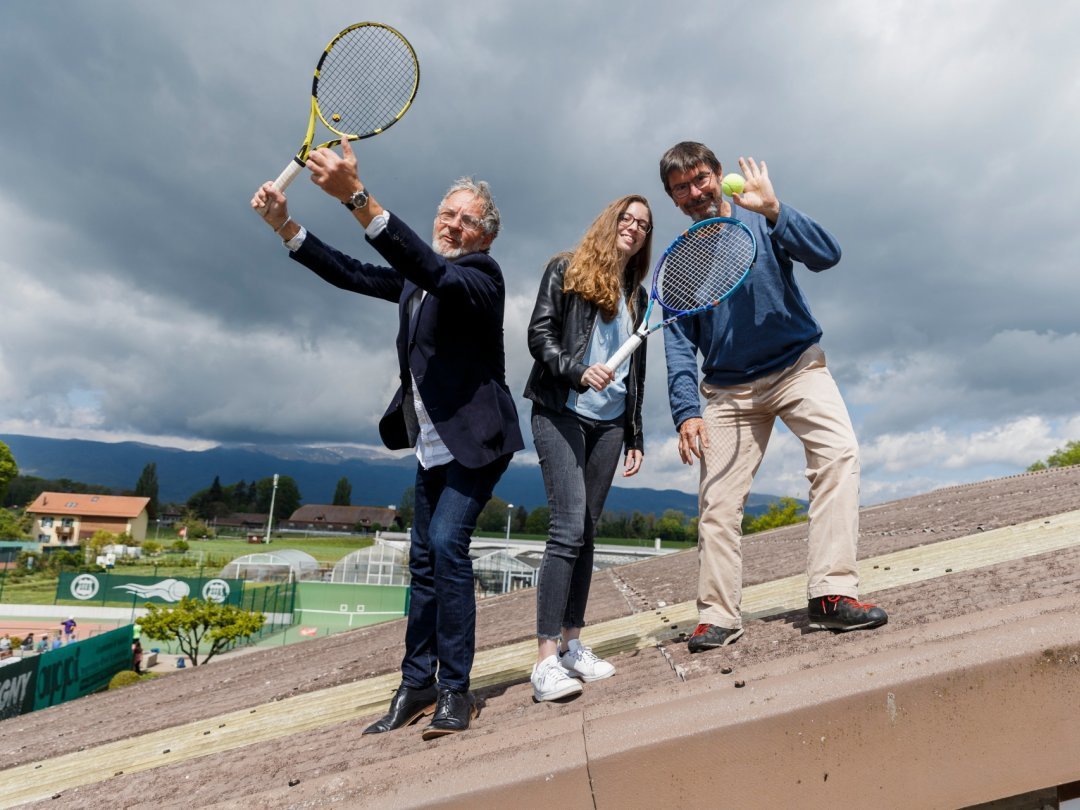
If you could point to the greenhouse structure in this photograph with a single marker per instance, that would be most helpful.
(278, 565)
(385, 563)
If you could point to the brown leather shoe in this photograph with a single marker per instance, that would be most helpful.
(407, 706)
(453, 713)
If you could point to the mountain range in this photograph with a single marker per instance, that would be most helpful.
(376, 479)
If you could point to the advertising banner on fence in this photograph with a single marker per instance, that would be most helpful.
(114, 588)
(74, 670)
(17, 686)
(78, 669)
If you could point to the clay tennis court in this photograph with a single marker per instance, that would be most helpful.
(21, 625)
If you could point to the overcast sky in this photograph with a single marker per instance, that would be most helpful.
(141, 298)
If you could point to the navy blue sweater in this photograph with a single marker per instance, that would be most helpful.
(764, 326)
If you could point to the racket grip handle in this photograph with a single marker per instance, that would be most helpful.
(624, 352)
(288, 175)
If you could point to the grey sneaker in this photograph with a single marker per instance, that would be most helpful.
(581, 662)
(842, 613)
(551, 682)
(709, 637)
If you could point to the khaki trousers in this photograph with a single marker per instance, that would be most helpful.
(739, 421)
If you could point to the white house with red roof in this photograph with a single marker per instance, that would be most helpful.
(65, 519)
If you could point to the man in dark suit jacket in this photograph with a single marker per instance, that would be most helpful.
(453, 405)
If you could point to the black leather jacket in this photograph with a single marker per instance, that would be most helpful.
(559, 333)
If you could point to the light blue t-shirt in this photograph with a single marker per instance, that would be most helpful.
(605, 341)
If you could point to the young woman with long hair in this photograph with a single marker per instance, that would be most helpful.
(584, 413)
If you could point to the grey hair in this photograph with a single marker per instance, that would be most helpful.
(490, 218)
(683, 157)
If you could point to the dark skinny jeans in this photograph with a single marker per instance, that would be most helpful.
(578, 457)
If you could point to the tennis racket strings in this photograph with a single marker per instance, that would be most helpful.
(367, 79)
(705, 266)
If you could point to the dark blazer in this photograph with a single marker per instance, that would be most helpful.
(559, 333)
(453, 345)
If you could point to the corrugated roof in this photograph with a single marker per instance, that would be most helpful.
(325, 513)
(980, 591)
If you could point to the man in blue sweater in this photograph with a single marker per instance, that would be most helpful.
(761, 361)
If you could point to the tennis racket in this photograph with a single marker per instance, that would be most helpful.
(365, 81)
(703, 266)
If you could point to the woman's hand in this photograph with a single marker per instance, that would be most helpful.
(597, 376)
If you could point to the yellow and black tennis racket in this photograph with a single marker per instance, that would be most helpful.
(364, 82)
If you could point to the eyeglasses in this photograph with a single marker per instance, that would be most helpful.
(467, 222)
(683, 189)
(626, 218)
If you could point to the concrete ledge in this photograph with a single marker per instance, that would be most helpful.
(947, 723)
(993, 714)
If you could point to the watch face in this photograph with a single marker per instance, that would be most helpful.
(359, 199)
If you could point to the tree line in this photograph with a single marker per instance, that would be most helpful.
(218, 500)
(673, 526)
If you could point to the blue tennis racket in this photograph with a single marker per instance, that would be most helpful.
(703, 266)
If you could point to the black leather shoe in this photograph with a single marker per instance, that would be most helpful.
(408, 706)
(453, 713)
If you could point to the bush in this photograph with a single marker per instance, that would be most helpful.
(124, 678)
(62, 560)
(13, 526)
(784, 512)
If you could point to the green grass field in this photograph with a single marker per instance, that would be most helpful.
(327, 550)
(36, 590)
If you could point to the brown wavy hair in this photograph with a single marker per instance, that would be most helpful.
(684, 157)
(594, 273)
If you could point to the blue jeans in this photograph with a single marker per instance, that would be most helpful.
(440, 638)
(578, 457)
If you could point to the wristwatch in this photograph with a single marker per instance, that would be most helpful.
(358, 199)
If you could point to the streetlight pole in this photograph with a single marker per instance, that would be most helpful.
(506, 571)
(270, 517)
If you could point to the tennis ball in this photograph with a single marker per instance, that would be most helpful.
(336, 117)
(732, 184)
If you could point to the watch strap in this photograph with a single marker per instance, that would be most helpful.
(361, 197)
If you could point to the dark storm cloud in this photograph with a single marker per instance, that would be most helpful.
(143, 298)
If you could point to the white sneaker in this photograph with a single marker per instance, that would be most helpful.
(583, 663)
(551, 682)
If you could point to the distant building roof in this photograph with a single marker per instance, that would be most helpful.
(242, 519)
(322, 513)
(78, 504)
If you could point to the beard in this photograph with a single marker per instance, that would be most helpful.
(444, 251)
(447, 252)
(712, 209)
